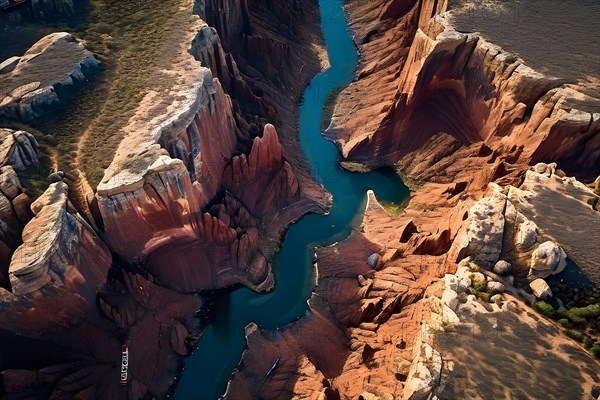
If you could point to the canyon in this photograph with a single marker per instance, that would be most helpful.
(195, 178)
(459, 119)
(210, 174)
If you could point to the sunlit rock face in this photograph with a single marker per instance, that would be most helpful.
(18, 152)
(194, 199)
(453, 113)
(45, 77)
(472, 92)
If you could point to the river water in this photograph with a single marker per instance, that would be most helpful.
(219, 351)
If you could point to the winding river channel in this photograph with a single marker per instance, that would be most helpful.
(219, 351)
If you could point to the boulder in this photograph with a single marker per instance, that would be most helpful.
(526, 235)
(494, 287)
(540, 289)
(548, 259)
(502, 267)
(9, 64)
(373, 259)
(497, 298)
(482, 239)
(450, 298)
(18, 149)
(9, 182)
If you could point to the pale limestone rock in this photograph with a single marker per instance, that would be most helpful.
(9, 182)
(526, 235)
(494, 287)
(52, 247)
(540, 289)
(451, 282)
(450, 298)
(17, 149)
(482, 238)
(497, 298)
(423, 375)
(548, 259)
(502, 267)
(9, 64)
(559, 210)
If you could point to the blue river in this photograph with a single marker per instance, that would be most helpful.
(219, 351)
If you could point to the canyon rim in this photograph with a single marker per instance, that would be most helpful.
(316, 199)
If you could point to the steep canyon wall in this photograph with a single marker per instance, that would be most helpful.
(197, 194)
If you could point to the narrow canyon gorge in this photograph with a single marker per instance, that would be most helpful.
(475, 280)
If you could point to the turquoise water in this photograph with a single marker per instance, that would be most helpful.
(219, 351)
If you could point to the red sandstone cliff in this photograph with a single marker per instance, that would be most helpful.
(452, 113)
(197, 194)
(457, 88)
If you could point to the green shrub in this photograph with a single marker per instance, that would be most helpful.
(564, 323)
(580, 314)
(595, 350)
(483, 296)
(473, 267)
(545, 309)
(577, 336)
(588, 343)
(479, 287)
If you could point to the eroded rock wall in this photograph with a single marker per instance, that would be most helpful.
(452, 113)
(194, 199)
(460, 86)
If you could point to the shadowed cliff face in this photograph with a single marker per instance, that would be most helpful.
(270, 54)
(459, 85)
(194, 199)
(453, 113)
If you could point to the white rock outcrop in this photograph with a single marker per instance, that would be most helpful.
(548, 259)
(482, 238)
(43, 76)
(540, 289)
(18, 149)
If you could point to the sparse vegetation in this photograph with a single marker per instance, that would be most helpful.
(564, 323)
(483, 296)
(395, 208)
(575, 335)
(129, 38)
(545, 309)
(329, 107)
(581, 314)
(595, 350)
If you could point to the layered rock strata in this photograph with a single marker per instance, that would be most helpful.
(45, 77)
(193, 201)
(18, 152)
(382, 326)
(456, 89)
(452, 113)
(271, 51)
